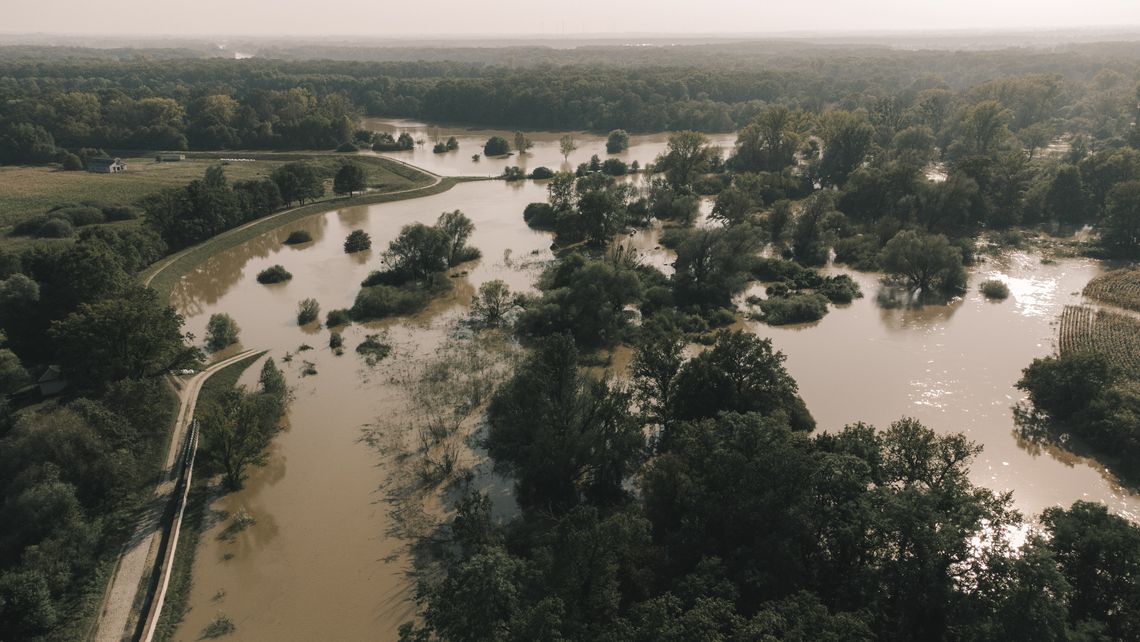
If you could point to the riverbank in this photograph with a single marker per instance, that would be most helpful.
(181, 579)
(163, 275)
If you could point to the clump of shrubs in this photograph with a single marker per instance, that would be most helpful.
(307, 311)
(275, 274)
(995, 290)
(298, 236)
(615, 167)
(357, 241)
(789, 277)
(376, 301)
(336, 342)
(221, 625)
(840, 289)
(541, 173)
(61, 220)
(337, 318)
(540, 216)
(793, 308)
(373, 349)
(496, 146)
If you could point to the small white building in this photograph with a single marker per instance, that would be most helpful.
(105, 165)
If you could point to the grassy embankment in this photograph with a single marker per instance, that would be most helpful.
(30, 191)
(164, 274)
(181, 574)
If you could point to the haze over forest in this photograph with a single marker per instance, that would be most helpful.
(402, 20)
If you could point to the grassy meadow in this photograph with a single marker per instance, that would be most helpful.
(26, 191)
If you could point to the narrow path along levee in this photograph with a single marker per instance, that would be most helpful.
(318, 564)
(116, 618)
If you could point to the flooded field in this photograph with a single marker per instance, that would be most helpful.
(545, 153)
(318, 562)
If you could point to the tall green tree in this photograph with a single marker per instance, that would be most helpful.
(687, 155)
(458, 228)
(847, 142)
(349, 179)
(927, 262)
(563, 436)
(299, 182)
(1120, 227)
(741, 373)
(770, 141)
(131, 335)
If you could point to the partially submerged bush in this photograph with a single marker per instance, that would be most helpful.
(307, 311)
(380, 301)
(373, 349)
(995, 290)
(493, 304)
(337, 318)
(298, 236)
(221, 332)
(275, 274)
(496, 146)
(221, 625)
(542, 173)
(840, 289)
(795, 308)
(539, 216)
(357, 241)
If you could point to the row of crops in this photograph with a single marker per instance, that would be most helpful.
(1116, 336)
(1119, 287)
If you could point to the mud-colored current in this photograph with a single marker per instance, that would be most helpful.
(318, 562)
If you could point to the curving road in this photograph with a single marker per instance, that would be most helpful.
(115, 621)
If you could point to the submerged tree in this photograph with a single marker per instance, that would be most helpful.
(357, 241)
(221, 332)
(567, 145)
(458, 228)
(927, 262)
(564, 436)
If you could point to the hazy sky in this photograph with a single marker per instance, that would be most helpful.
(536, 17)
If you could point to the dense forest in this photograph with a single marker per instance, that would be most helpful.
(741, 525)
(146, 102)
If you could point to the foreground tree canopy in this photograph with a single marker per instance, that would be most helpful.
(738, 526)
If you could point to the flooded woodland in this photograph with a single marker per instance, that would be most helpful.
(323, 558)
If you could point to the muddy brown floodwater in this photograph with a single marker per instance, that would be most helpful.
(318, 562)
